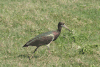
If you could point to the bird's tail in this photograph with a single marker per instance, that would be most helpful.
(25, 45)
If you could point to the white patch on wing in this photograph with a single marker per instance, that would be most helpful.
(48, 45)
(52, 36)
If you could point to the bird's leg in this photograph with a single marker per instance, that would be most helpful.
(48, 46)
(35, 50)
(33, 53)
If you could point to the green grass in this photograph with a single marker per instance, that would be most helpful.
(21, 20)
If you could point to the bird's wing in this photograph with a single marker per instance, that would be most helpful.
(41, 40)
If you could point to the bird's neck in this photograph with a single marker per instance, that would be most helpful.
(59, 29)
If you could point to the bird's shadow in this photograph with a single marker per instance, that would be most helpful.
(27, 56)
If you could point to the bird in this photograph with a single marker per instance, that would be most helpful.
(45, 38)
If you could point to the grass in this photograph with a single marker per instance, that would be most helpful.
(21, 20)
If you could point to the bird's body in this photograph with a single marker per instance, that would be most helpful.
(45, 38)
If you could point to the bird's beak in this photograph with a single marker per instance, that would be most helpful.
(65, 26)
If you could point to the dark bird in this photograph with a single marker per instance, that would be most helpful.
(45, 38)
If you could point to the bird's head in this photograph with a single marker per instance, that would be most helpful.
(61, 24)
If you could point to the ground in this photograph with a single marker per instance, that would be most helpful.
(22, 20)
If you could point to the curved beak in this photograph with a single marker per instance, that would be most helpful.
(65, 27)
